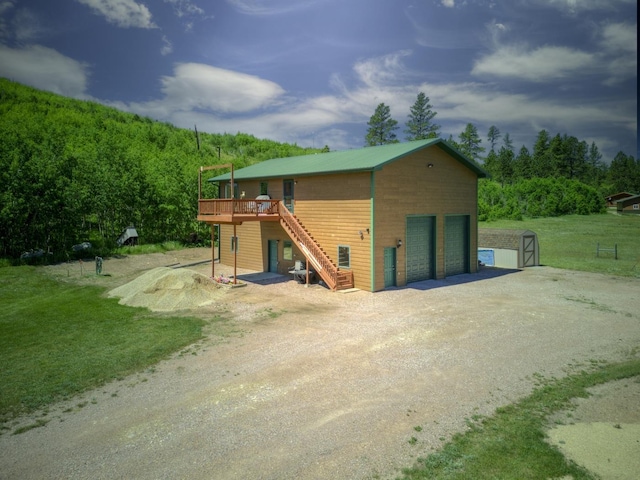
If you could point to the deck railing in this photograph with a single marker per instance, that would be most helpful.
(229, 206)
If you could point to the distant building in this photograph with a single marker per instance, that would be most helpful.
(629, 205)
(612, 199)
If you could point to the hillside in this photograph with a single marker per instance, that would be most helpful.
(74, 171)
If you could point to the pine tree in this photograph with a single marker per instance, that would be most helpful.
(596, 169)
(524, 164)
(420, 125)
(470, 142)
(493, 135)
(381, 127)
(542, 166)
(505, 161)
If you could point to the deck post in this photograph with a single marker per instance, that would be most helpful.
(235, 253)
(213, 251)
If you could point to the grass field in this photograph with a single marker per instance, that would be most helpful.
(58, 339)
(511, 444)
(570, 241)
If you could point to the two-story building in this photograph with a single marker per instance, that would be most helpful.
(370, 218)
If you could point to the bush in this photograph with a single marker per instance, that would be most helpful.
(537, 197)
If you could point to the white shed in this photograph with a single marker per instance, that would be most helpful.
(508, 248)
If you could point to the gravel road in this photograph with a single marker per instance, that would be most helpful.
(317, 385)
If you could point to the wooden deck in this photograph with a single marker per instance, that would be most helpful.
(234, 211)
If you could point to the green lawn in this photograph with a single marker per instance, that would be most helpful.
(570, 241)
(511, 444)
(59, 339)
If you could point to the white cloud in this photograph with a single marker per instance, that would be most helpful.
(383, 70)
(44, 68)
(619, 42)
(210, 90)
(620, 37)
(184, 8)
(27, 26)
(123, 13)
(167, 46)
(537, 65)
(575, 6)
(5, 6)
(270, 7)
(449, 3)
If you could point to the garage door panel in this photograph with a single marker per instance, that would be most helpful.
(456, 235)
(419, 244)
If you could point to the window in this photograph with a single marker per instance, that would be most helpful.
(287, 250)
(264, 188)
(227, 190)
(234, 244)
(344, 256)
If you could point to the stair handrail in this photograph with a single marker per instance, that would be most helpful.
(321, 262)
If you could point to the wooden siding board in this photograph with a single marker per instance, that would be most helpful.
(334, 209)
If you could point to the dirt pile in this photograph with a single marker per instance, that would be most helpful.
(165, 289)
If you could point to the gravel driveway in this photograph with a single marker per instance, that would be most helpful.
(319, 385)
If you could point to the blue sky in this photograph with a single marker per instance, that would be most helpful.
(313, 71)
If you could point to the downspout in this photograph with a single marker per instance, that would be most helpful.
(372, 238)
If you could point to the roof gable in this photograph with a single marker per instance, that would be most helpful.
(344, 161)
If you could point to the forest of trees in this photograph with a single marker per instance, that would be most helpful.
(74, 171)
(561, 175)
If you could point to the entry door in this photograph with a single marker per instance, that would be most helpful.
(273, 256)
(287, 194)
(389, 267)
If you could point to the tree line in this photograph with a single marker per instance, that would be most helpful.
(73, 171)
(513, 173)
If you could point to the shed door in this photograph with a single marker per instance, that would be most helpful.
(529, 251)
(420, 244)
(456, 245)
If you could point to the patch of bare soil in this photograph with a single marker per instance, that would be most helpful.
(602, 432)
(316, 384)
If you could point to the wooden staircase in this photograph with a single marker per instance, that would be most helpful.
(335, 278)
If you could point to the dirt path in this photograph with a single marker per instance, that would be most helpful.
(316, 385)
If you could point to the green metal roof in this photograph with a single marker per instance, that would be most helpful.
(345, 161)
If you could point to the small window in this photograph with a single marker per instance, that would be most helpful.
(264, 188)
(344, 256)
(636, 206)
(287, 250)
(234, 244)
